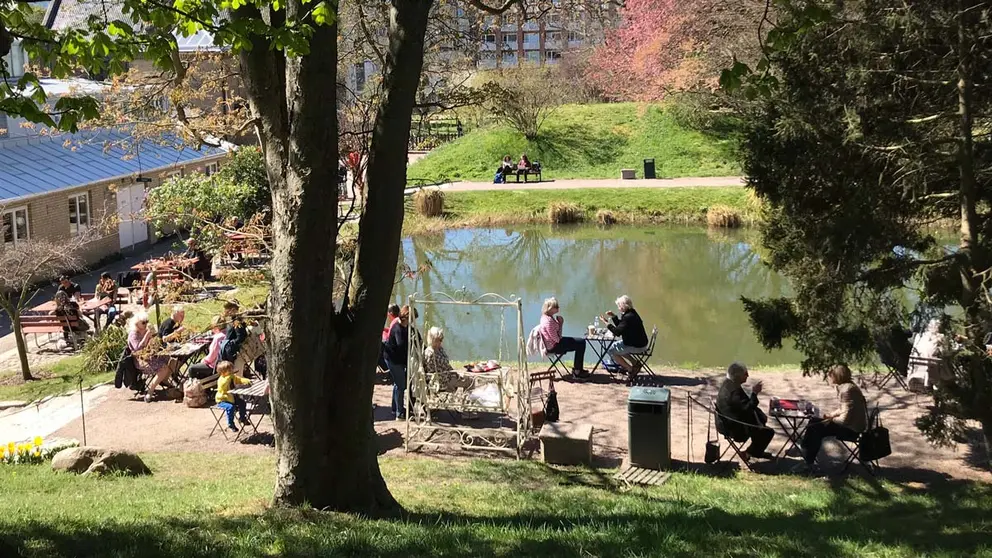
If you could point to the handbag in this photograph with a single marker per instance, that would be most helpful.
(551, 410)
(874, 443)
(712, 454)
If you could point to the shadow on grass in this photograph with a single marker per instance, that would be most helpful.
(859, 518)
(571, 144)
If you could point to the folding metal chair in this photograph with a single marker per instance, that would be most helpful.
(557, 366)
(219, 415)
(893, 351)
(853, 447)
(641, 359)
(731, 443)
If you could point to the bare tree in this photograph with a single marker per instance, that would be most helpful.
(526, 97)
(24, 267)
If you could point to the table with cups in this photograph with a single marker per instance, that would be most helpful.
(599, 339)
(794, 416)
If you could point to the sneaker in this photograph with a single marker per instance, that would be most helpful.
(581, 373)
(244, 420)
(762, 455)
(148, 398)
(232, 428)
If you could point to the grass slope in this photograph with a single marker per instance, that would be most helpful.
(587, 141)
(213, 506)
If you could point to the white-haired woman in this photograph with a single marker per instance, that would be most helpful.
(138, 337)
(551, 332)
(630, 330)
(435, 357)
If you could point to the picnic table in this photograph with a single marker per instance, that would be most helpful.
(184, 355)
(162, 264)
(794, 417)
(600, 342)
(89, 308)
(256, 398)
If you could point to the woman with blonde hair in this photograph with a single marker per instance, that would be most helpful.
(551, 327)
(139, 337)
(846, 423)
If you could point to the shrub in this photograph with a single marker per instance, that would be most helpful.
(723, 216)
(606, 217)
(103, 351)
(429, 203)
(560, 213)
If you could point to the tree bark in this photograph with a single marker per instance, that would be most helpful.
(322, 364)
(22, 348)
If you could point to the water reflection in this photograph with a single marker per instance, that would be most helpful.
(684, 280)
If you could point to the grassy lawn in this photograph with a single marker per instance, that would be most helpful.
(633, 206)
(587, 141)
(64, 375)
(200, 505)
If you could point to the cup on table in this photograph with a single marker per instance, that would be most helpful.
(592, 330)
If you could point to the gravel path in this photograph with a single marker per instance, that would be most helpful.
(120, 422)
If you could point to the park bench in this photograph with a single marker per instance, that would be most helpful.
(36, 324)
(534, 170)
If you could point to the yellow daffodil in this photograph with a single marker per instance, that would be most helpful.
(37, 441)
(37, 452)
(10, 447)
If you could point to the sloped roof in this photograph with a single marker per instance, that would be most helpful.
(41, 165)
(67, 14)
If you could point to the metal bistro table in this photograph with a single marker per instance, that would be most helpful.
(256, 398)
(600, 342)
(794, 422)
(184, 355)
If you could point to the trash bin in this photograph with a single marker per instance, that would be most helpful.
(649, 427)
(649, 168)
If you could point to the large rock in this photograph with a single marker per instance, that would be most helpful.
(98, 461)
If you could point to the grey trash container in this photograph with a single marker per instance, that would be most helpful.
(649, 168)
(649, 412)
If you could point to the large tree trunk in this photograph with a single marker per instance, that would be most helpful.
(322, 364)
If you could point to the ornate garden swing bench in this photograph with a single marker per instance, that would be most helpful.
(455, 392)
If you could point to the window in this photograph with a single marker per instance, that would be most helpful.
(553, 56)
(210, 169)
(178, 173)
(531, 39)
(510, 39)
(574, 36)
(554, 36)
(3, 125)
(359, 77)
(79, 214)
(534, 56)
(509, 59)
(15, 226)
(490, 38)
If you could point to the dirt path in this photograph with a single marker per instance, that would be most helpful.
(121, 422)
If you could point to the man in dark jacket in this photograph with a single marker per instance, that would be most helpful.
(741, 417)
(633, 339)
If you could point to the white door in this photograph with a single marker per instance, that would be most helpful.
(132, 229)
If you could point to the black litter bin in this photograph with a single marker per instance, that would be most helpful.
(649, 168)
(649, 427)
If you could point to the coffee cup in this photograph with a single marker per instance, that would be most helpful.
(592, 330)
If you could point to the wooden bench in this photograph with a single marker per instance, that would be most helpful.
(35, 324)
(533, 171)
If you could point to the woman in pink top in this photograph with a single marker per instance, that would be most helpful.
(551, 328)
(205, 369)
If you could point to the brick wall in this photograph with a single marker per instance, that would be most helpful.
(48, 215)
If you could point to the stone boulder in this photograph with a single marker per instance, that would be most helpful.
(87, 460)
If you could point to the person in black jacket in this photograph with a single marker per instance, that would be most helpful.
(396, 349)
(740, 416)
(630, 329)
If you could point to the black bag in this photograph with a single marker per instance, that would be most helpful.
(712, 454)
(874, 443)
(551, 411)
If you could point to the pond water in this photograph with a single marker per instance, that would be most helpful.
(688, 281)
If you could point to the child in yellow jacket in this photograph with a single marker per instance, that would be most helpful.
(225, 399)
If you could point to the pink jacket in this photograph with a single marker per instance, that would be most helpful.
(214, 353)
(550, 331)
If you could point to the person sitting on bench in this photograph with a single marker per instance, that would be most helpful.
(551, 331)
(67, 308)
(743, 417)
(205, 369)
(523, 165)
(846, 423)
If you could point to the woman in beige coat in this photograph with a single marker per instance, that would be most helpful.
(846, 423)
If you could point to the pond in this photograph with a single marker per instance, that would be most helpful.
(686, 280)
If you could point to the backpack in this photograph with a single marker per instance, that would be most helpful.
(499, 178)
(194, 394)
(231, 345)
